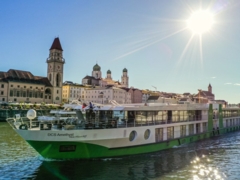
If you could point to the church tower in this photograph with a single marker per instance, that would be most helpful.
(109, 75)
(209, 88)
(96, 73)
(125, 78)
(55, 63)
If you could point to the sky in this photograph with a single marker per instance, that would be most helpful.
(149, 38)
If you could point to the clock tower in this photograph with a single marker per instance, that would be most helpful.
(55, 63)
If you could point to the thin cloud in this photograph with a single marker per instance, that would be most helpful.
(236, 84)
(213, 77)
(227, 83)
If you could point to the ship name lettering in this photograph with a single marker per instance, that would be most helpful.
(51, 134)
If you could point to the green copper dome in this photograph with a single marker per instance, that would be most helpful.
(108, 72)
(96, 67)
(124, 70)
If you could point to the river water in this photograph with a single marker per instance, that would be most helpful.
(215, 158)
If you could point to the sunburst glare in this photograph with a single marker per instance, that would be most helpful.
(200, 22)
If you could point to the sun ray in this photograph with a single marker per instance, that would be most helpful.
(200, 49)
(147, 45)
(188, 6)
(185, 49)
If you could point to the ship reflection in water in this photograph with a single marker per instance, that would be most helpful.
(215, 158)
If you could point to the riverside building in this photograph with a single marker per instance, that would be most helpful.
(23, 86)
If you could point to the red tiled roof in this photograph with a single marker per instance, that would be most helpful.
(56, 45)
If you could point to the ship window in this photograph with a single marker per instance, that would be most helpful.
(147, 134)
(67, 148)
(191, 129)
(132, 135)
(170, 132)
(182, 130)
(159, 134)
(204, 127)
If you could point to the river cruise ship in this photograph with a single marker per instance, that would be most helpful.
(113, 131)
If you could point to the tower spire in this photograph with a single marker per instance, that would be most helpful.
(56, 44)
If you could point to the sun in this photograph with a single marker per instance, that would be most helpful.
(200, 22)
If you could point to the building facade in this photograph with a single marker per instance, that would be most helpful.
(73, 91)
(104, 95)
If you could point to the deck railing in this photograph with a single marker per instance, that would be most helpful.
(115, 122)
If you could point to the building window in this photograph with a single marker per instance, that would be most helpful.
(25, 87)
(3, 99)
(2, 92)
(58, 80)
(18, 86)
(18, 93)
(36, 87)
(2, 86)
(49, 97)
(30, 87)
(24, 94)
(57, 98)
(15, 99)
(11, 92)
(30, 94)
(57, 91)
(11, 85)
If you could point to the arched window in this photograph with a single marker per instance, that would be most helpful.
(57, 98)
(48, 91)
(58, 78)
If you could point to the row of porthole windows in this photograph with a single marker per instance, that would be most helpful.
(133, 135)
